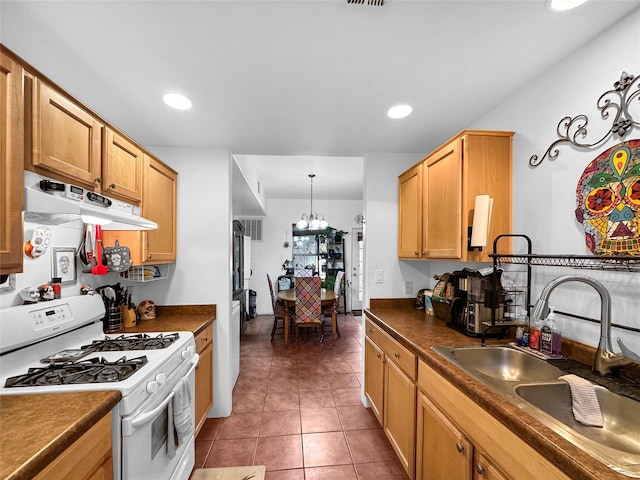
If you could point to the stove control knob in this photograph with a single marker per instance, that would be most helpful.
(152, 387)
(188, 353)
(161, 378)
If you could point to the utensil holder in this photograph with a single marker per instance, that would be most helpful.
(113, 319)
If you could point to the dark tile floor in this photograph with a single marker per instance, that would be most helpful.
(297, 410)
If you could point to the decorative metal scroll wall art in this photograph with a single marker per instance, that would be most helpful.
(608, 201)
(613, 104)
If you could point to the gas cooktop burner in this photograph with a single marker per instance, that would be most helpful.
(93, 370)
(140, 341)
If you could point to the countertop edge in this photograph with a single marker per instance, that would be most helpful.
(566, 456)
(64, 440)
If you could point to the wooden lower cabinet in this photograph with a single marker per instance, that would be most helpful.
(454, 435)
(390, 371)
(88, 458)
(443, 452)
(374, 377)
(204, 376)
(484, 468)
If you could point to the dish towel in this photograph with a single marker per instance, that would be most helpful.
(171, 438)
(584, 401)
(182, 418)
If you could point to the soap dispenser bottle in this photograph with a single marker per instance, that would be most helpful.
(547, 333)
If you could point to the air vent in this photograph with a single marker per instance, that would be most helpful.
(252, 227)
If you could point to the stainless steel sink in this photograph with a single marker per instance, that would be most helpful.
(532, 385)
(502, 363)
(616, 444)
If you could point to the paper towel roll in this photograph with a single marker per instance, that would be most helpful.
(481, 220)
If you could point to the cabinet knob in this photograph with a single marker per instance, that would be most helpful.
(459, 447)
(97, 180)
(479, 469)
(396, 354)
(416, 254)
(112, 186)
(378, 355)
(149, 256)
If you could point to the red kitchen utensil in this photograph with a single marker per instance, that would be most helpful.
(99, 269)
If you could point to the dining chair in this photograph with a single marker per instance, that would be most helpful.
(278, 308)
(328, 311)
(308, 305)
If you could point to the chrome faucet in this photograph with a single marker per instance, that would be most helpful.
(605, 360)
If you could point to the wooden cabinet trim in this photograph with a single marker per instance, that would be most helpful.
(11, 165)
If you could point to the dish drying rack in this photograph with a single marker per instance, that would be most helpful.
(621, 263)
(146, 273)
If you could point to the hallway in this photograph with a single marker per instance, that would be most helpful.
(297, 410)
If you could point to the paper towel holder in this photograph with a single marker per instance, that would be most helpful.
(477, 239)
(471, 248)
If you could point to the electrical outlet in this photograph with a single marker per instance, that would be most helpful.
(408, 287)
(379, 276)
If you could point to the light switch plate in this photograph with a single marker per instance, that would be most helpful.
(379, 276)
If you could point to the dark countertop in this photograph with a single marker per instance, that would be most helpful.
(419, 332)
(176, 318)
(38, 428)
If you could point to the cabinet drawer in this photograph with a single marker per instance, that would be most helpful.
(373, 331)
(203, 339)
(401, 356)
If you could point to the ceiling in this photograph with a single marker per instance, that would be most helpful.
(296, 80)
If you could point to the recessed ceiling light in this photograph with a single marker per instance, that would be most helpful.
(399, 111)
(562, 5)
(177, 101)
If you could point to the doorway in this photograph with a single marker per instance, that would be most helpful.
(356, 280)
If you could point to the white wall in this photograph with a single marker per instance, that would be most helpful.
(543, 197)
(269, 254)
(202, 273)
(381, 172)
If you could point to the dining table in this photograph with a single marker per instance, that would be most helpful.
(327, 298)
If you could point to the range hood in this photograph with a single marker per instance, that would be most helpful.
(49, 202)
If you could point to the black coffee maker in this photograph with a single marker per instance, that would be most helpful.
(478, 298)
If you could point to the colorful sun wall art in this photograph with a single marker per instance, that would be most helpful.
(608, 201)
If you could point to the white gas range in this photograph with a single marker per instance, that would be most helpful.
(59, 346)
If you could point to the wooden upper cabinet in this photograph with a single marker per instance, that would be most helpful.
(122, 166)
(443, 202)
(410, 224)
(67, 139)
(159, 203)
(475, 162)
(11, 165)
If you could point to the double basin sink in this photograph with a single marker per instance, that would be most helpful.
(532, 385)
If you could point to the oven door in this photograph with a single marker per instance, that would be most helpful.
(150, 447)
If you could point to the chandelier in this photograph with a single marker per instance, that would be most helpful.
(312, 221)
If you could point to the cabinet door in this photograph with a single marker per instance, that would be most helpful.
(443, 204)
(443, 451)
(11, 160)
(410, 213)
(204, 377)
(374, 376)
(66, 138)
(160, 205)
(122, 166)
(400, 414)
(484, 469)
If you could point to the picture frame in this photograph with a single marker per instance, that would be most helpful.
(63, 264)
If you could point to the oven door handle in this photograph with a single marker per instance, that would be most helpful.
(194, 363)
(130, 424)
